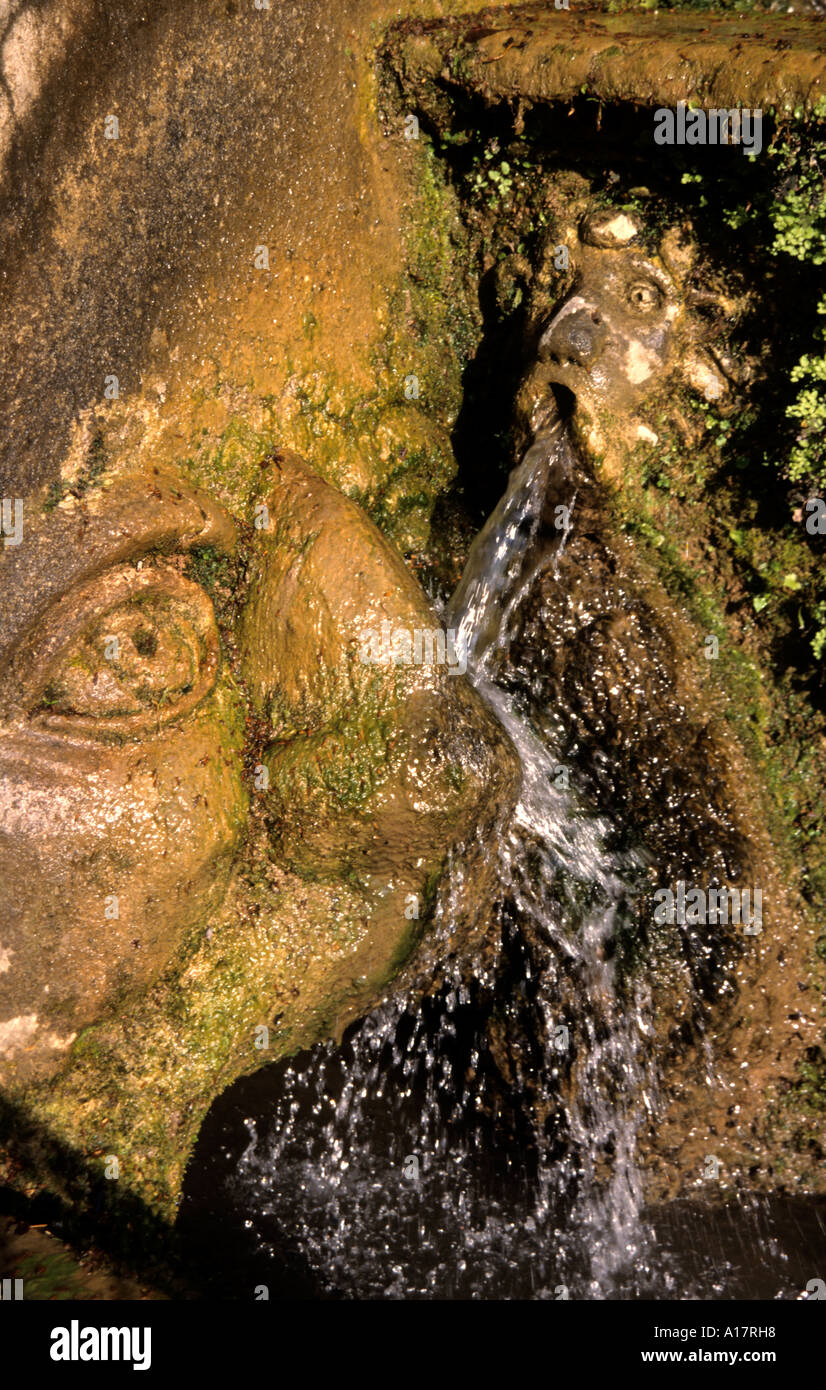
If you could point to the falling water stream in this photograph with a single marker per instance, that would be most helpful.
(609, 1084)
(399, 1164)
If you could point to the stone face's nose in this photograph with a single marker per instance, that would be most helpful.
(376, 765)
(575, 335)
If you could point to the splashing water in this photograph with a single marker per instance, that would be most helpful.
(400, 1165)
(610, 1081)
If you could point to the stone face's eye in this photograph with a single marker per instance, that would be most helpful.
(644, 296)
(710, 312)
(143, 655)
(122, 655)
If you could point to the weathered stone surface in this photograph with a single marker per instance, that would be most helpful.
(552, 55)
(129, 252)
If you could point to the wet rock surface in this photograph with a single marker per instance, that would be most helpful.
(619, 683)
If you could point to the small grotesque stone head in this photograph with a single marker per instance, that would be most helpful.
(637, 329)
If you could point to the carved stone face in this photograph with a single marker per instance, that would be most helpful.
(126, 721)
(625, 335)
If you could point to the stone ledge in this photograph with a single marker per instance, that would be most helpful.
(644, 59)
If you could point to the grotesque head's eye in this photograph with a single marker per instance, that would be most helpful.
(644, 295)
(120, 656)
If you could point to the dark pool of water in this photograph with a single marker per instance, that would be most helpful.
(329, 1220)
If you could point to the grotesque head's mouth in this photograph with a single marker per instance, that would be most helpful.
(565, 400)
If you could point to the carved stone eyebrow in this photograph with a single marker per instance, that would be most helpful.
(137, 514)
(644, 269)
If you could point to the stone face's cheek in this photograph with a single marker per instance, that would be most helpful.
(27, 1034)
(110, 855)
(640, 363)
